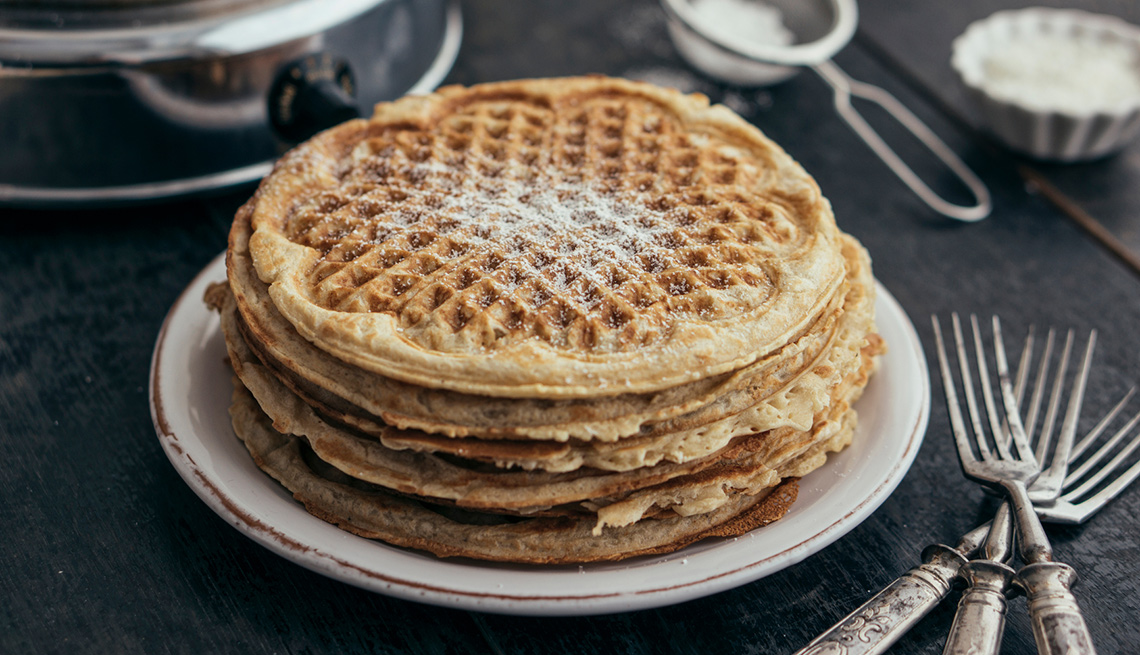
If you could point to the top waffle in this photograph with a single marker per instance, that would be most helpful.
(546, 238)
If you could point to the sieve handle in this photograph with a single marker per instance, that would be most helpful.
(845, 88)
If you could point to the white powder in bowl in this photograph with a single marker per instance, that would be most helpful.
(746, 19)
(1047, 72)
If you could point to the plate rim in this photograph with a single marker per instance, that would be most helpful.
(553, 604)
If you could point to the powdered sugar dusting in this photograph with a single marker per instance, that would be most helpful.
(599, 227)
(583, 228)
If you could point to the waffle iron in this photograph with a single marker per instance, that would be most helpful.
(117, 101)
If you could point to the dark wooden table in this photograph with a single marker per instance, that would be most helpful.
(103, 548)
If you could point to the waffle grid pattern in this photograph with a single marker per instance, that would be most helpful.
(588, 224)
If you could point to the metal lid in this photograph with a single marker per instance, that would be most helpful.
(132, 32)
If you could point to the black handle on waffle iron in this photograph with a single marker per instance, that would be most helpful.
(311, 94)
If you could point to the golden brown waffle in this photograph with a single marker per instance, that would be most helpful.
(791, 394)
(349, 393)
(546, 238)
(374, 513)
(750, 463)
(544, 321)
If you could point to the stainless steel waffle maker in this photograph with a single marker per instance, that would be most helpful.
(115, 101)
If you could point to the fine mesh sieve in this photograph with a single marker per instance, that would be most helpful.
(816, 30)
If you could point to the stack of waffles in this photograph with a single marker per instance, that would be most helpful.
(544, 321)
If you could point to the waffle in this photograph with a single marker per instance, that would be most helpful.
(571, 238)
(544, 321)
(749, 463)
(375, 513)
(363, 396)
(790, 394)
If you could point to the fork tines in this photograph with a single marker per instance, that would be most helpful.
(1093, 482)
(1079, 479)
(1008, 429)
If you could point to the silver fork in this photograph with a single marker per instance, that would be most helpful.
(1082, 493)
(1058, 625)
(877, 624)
(980, 619)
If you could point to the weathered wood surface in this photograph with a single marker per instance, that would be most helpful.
(105, 550)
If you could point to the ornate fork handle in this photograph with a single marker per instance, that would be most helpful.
(879, 622)
(980, 620)
(1058, 626)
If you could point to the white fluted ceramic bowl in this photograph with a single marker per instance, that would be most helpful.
(1021, 92)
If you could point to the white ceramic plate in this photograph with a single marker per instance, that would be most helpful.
(190, 393)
